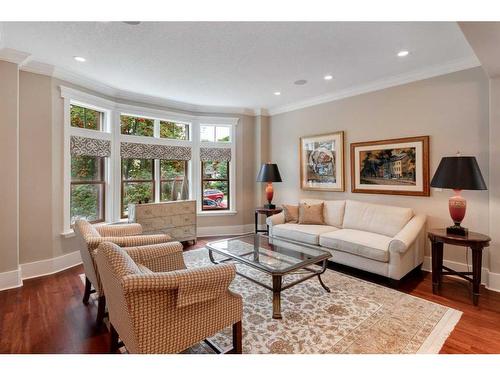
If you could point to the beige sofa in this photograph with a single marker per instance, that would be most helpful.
(384, 240)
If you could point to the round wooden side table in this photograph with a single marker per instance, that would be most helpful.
(476, 241)
(265, 211)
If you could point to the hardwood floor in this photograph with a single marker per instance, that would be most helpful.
(46, 315)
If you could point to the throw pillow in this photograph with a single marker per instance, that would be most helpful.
(291, 213)
(311, 214)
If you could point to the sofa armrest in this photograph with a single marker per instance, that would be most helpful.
(276, 219)
(406, 236)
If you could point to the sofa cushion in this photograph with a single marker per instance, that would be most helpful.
(306, 233)
(376, 218)
(333, 211)
(311, 214)
(366, 244)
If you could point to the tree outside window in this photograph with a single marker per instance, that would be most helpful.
(137, 182)
(139, 126)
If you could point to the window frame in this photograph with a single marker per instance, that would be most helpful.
(101, 182)
(227, 179)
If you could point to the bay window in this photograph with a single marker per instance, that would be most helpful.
(174, 183)
(215, 185)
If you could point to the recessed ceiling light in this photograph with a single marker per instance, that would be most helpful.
(328, 77)
(300, 82)
(80, 59)
(403, 53)
(277, 93)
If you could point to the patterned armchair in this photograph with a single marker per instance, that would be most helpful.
(90, 236)
(156, 305)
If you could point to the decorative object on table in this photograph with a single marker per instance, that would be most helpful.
(177, 218)
(476, 241)
(265, 211)
(269, 173)
(394, 166)
(322, 162)
(458, 173)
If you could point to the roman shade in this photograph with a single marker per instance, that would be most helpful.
(83, 146)
(149, 151)
(215, 154)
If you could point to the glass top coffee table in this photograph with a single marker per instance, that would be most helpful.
(274, 256)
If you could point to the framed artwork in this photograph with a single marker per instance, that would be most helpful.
(393, 166)
(322, 162)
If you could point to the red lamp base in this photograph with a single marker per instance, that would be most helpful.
(457, 206)
(269, 196)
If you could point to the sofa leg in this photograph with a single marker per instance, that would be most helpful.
(113, 339)
(394, 284)
(86, 293)
(237, 338)
(101, 310)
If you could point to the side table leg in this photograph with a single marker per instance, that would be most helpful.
(256, 222)
(437, 265)
(277, 297)
(477, 255)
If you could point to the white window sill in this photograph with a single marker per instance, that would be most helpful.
(216, 213)
(68, 234)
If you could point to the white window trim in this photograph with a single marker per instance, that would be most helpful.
(111, 132)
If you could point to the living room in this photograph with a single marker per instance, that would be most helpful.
(270, 188)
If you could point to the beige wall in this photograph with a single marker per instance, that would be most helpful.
(451, 109)
(9, 146)
(494, 183)
(35, 158)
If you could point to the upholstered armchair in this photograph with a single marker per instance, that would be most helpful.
(90, 236)
(156, 305)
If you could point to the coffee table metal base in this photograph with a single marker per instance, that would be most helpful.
(277, 279)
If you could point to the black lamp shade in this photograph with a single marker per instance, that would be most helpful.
(459, 173)
(269, 173)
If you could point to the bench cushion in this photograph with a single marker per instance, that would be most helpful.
(302, 232)
(366, 244)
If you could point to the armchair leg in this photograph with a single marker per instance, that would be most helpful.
(237, 338)
(86, 294)
(113, 339)
(101, 310)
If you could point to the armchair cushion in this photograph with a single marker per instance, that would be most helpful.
(162, 257)
(118, 230)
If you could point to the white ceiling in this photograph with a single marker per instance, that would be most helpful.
(241, 64)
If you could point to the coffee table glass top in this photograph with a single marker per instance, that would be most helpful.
(270, 254)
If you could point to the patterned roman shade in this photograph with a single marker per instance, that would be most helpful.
(147, 151)
(83, 146)
(215, 154)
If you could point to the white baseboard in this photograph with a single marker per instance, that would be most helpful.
(10, 279)
(229, 230)
(49, 266)
(490, 280)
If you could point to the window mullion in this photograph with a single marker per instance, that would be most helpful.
(157, 180)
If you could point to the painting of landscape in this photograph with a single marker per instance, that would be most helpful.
(393, 166)
(388, 166)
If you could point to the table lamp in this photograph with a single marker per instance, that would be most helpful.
(458, 173)
(269, 173)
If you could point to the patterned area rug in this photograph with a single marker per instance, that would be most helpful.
(356, 317)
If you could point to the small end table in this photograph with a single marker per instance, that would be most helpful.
(476, 241)
(265, 211)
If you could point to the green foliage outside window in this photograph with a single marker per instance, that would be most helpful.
(136, 126)
(85, 118)
(140, 170)
(173, 130)
(174, 183)
(86, 199)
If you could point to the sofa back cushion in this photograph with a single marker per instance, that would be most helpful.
(376, 218)
(333, 211)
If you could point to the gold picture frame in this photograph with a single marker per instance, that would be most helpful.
(322, 162)
(392, 166)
